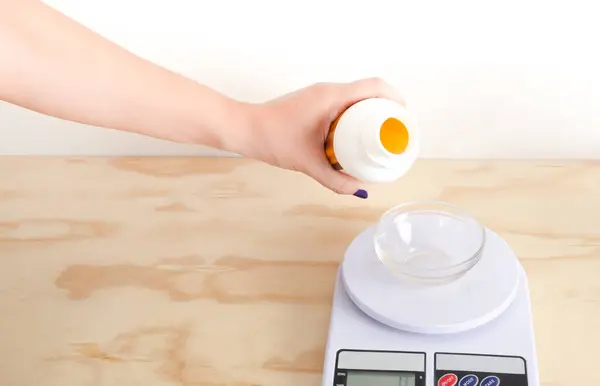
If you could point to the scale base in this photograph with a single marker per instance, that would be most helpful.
(500, 352)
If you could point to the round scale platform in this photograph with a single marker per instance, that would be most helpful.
(474, 299)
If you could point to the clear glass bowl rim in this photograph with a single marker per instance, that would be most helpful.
(463, 214)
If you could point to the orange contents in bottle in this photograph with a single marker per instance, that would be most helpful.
(394, 136)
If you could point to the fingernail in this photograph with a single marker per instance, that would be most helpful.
(361, 193)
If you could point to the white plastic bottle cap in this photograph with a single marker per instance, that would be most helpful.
(374, 140)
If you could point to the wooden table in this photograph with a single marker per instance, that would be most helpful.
(201, 272)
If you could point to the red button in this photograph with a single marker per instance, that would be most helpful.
(448, 380)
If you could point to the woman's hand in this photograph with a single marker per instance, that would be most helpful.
(53, 65)
(290, 131)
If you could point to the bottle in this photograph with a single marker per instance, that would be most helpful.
(374, 140)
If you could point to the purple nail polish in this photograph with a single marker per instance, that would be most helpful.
(361, 193)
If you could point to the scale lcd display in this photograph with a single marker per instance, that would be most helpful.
(380, 378)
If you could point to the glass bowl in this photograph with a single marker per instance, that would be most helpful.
(429, 241)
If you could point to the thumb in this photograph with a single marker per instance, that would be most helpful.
(335, 180)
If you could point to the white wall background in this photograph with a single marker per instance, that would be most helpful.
(486, 79)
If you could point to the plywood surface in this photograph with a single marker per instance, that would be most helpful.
(160, 272)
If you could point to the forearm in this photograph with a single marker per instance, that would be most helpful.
(53, 65)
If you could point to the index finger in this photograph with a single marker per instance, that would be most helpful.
(374, 88)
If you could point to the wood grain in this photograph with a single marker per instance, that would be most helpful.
(204, 272)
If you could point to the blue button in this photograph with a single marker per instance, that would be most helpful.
(469, 380)
(491, 380)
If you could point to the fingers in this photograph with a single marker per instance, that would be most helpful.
(366, 88)
(346, 95)
(374, 88)
(334, 180)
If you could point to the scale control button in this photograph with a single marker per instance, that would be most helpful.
(469, 380)
(490, 380)
(448, 380)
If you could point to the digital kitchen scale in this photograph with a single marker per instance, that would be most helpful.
(474, 331)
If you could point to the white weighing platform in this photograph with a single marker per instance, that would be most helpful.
(475, 331)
